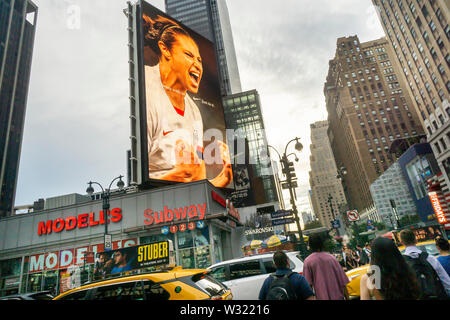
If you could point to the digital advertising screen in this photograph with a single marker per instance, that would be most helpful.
(183, 134)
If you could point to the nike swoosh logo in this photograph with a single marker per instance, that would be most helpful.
(165, 133)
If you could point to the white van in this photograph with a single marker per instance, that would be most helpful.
(245, 276)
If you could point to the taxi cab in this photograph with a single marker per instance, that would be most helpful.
(355, 275)
(174, 284)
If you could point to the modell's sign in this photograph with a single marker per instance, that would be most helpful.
(437, 208)
(81, 221)
(63, 259)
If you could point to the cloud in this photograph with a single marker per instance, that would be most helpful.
(77, 122)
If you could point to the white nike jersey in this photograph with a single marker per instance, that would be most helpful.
(165, 126)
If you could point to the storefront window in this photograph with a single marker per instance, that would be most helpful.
(155, 238)
(194, 250)
(201, 237)
(10, 267)
(218, 241)
(187, 258)
(185, 240)
(34, 282)
(10, 276)
(418, 171)
(202, 257)
(50, 281)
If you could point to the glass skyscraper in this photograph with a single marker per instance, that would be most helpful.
(17, 29)
(243, 113)
(210, 19)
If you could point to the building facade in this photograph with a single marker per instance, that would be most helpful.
(17, 29)
(368, 108)
(390, 191)
(419, 32)
(210, 18)
(420, 169)
(42, 250)
(326, 189)
(244, 117)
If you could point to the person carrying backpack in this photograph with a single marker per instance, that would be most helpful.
(433, 280)
(284, 284)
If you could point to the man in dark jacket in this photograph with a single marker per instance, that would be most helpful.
(300, 287)
(363, 257)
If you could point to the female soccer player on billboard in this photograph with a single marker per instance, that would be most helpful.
(174, 122)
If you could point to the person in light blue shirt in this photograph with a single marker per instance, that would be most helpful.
(408, 239)
(444, 257)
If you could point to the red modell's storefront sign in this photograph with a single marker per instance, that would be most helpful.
(81, 221)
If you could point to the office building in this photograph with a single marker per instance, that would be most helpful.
(323, 177)
(368, 108)
(210, 19)
(390, 191)
(243, 115)
(17, 29)
(419, 32)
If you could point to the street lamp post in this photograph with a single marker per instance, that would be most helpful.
(330, 201)
(105, 197)
(288, 172)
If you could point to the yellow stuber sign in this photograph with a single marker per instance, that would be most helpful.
(153, 251)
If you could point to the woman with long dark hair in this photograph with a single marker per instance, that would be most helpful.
(390, 277)
(174, 122)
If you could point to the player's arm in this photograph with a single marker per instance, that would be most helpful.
(226, 175)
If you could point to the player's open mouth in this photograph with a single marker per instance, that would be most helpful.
(195, 76)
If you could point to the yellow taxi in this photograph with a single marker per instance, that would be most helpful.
(355, 275)
(174, 284)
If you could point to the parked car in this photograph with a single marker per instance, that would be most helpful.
(174, 284)
(245, 276)
(42, 295)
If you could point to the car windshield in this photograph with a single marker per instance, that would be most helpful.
(42, 296)
(428, 248)
(208, 284)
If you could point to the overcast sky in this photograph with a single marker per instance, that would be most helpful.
(77, 124)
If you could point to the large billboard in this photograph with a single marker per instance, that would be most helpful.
(182, 126)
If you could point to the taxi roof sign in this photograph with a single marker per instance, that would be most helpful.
(157, 254)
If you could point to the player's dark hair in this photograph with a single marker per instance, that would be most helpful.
(161, 29)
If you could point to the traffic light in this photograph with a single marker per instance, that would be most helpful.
(288, 169)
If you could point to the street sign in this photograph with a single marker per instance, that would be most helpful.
(335, 224)
(108, 242)
(200, 224)
(281, 213)
(278, 222)
(352, 215)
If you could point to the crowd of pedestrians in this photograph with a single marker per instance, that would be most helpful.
(350, 258)
(391, 275)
